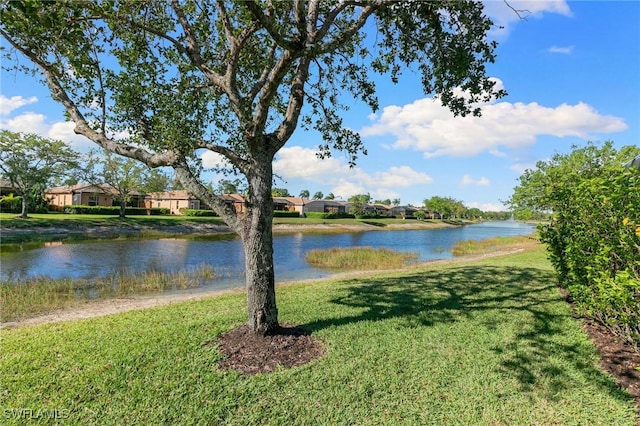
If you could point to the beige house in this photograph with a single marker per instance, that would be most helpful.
(85, 195)
(174, 201)
(177, 201)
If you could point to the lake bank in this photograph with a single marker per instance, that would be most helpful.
(100, 307)
(77, 230)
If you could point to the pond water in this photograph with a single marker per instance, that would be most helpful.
(104, 258)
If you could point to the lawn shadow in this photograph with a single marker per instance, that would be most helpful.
(544, 354)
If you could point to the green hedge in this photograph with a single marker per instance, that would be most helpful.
(320, 215)
(593, 237)
(285, 213)
(113, 210)
(11, 204)
(198, 213)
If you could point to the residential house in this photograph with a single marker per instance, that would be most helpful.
(174, 201)
(402, 211)
(305, 205)
(290, 204)
(326, 206)
(87, 195)
(377, 208)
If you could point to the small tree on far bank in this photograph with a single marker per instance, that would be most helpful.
(32, 163)
(124, 175)
(359, 203)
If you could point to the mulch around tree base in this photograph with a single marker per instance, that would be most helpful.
(249, 353)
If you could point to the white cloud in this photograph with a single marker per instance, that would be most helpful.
(567, 50)
(212, 160)
(8, 105)
(31, 122)
(468, 180)
(506, 14)
(425, 125)
(63, 130)
(298, 162)
(487, 207)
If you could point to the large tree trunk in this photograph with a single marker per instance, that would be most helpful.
(257, 237)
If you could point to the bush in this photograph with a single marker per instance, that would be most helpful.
(115, 211)
(593, 238)
(285, 213)
(198, 212)
(320, 215)
(11, 204)
(614, 302)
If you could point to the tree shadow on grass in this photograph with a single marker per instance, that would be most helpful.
(544, 354)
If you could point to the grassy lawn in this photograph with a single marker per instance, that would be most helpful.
(484, 343)
(11, 220)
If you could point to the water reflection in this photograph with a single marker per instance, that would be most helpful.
(100, 259)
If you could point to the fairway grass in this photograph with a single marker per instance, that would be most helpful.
(480, 343)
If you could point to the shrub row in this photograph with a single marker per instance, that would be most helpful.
(113, 210)
(593, 238)
(198, 212)
(285, 213)
(11, 204)
(320, 215)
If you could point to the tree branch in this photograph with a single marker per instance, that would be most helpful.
(294, 106)
(194, 187)
(518, 11)
(267, 24)
(82, 126)
(192, 50)
(268, 91)
(235, 159)
(341, 38)
(259, 84)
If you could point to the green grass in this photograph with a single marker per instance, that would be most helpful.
(485, 343)
(467, 247)
(42, 295)
(362, 258)
(12, 220)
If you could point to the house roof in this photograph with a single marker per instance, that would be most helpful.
(235, 198)
(83, 187)
(289, 200)
(171, 195)
(102, 188)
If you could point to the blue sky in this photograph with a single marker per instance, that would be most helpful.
(572, 71)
